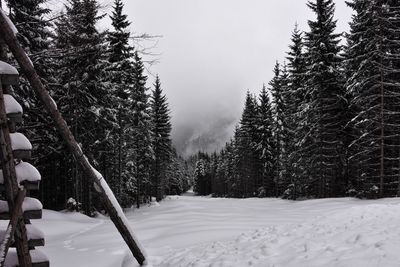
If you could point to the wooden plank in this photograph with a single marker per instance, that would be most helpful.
(27, 68)
(29, 186)
(22, 154)
(41, 264)
(28, 215)
(15, 117)
(36, 242)
(9, 79)
(33, 243)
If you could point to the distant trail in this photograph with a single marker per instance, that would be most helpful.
(189, 193)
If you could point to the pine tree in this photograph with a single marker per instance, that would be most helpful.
(354, 56)
(325, 116)
(177, 175)
(200, 178)
(83, 95)
(161, 130)
(246, 142)
(278, 109)
(373, 86)
(34, 35)
(297, 69)
(287, 131)
(120, 74)
(120, 49)
(266, 144)
(141, 152)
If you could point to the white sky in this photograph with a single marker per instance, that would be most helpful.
(214, 50)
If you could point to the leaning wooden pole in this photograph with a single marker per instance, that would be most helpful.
(110, 203)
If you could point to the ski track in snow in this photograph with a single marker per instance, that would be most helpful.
(200, 231)
(69, 242)
(349, 238)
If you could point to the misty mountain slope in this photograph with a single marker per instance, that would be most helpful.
(206, 135)
(202, 231)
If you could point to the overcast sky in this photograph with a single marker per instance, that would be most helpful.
(212, 51)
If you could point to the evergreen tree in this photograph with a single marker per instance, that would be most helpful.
(120, 49)
(178, 175)
(277, 92)
(161, 130)
(248, 163)
(297, 69)
(266, 144)
(34, 35)
(140, 142)
(82, 96)
(326, 104)
(287, 130)
(201, 182)
(374, 86)
(120, 74)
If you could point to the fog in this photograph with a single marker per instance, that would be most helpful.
(212, 52)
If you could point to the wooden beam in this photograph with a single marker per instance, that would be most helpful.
(115, 213)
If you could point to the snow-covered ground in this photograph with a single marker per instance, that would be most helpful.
(201, 231)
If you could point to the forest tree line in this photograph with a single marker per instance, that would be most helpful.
(98, 80)
(328, 123)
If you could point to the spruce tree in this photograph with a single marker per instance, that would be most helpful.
(266, 144)
(200, 178)
(140, 143)
(34, 33)
(326, 103)
(120, 74)
(178, 175)
(297, 69)
(287, 131)
(246, 142)
(161, 130)
(83, 95)
(278, 110)
(374, 87)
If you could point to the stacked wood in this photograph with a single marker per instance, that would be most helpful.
(15, 174)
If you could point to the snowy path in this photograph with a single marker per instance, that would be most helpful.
(199, 231)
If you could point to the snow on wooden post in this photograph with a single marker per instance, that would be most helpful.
(110, 203)
(10, 178)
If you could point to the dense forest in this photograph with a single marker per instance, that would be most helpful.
(328, 123)
(98, 80)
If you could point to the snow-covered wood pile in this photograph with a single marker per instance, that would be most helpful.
(16, 176)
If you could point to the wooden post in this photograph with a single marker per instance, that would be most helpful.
(115, 213)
